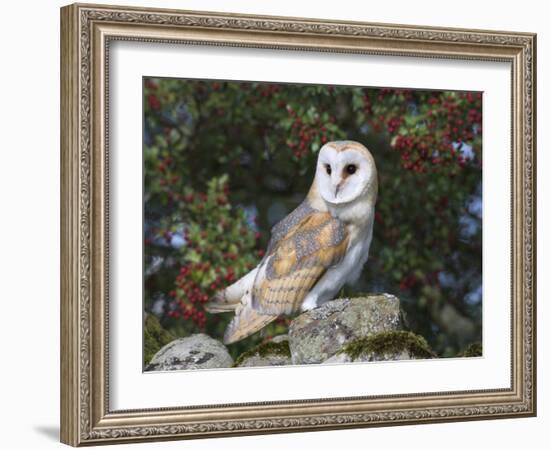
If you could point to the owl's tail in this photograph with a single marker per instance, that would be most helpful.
(245, 323)
(231, 296)
(237, 298)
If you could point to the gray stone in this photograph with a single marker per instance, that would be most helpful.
(273, 353)
(198, 351)
(343, 357)
(319, 334)
(384, 346)
(264, 361)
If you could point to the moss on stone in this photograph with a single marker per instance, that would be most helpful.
(264, 350)
(154, 337)
(389, 342)
(471, 350)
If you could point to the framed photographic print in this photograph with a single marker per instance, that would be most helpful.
(276, 224)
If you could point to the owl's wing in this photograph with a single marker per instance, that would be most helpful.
(281, 229)
(296, 261)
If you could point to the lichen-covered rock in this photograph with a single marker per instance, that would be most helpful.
(198, 351)
(316, 335)
(471, 350)
(154, 337)
(273, 353)
(384, 346)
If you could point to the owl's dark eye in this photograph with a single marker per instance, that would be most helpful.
(351, 168)
(328, 168)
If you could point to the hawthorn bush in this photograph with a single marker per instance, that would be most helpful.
(224, 161)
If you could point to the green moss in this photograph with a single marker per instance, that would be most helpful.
(474, 349)
(389, 342)
(264, 350)
(154, 337)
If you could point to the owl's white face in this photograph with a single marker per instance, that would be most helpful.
(344, 173)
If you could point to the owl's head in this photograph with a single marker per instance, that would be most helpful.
(345, 172)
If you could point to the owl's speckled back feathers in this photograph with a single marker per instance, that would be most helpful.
(297, 261)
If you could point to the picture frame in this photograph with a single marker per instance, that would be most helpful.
(87, 33)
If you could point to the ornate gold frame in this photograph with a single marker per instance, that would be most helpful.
(86, 31)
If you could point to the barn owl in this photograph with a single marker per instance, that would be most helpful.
(315, 250)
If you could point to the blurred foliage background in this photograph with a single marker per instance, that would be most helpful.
(225, 161)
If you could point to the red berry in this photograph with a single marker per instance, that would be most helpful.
(154, 102)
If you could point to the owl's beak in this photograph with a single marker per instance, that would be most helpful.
(338, 186)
